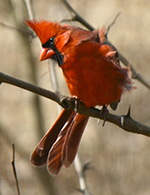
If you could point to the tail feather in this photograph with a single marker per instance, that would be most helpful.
(60, 144)
(73, 139)
(65, 147)
(39, 155)
(54, 162)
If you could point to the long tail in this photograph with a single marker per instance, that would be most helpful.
(60, 144)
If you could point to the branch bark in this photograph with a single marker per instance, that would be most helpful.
(125, 122)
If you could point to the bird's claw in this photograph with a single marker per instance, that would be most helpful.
(105, 111)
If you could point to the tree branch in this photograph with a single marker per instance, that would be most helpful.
(125, 121)
(32, 88)
(76, 16)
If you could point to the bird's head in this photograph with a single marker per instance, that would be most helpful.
(53, 38)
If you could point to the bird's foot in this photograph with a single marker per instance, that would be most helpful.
(71, 103)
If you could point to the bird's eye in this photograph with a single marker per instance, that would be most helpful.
(51, 40)
(49, 43)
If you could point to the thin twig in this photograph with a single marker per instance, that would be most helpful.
(135, 74)
(54, 80)
(112, 23)
(25, 32)
(14, 169)
(30, 13)
(29, 9)
(78, 18)
(79, 167)
(53, 76)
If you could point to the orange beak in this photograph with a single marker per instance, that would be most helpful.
(46, 53)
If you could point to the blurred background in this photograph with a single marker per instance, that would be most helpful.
(120, 161)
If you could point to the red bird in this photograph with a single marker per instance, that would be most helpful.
(93, 75)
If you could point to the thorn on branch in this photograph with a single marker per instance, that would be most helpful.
(129, 112)
(128, 115)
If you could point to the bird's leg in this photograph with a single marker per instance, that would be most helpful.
(105, 111)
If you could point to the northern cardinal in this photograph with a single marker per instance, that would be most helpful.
(93, 75)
